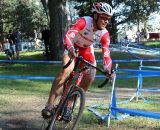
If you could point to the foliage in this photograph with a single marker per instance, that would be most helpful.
(23, 14)
(135, 11)
(126, 11)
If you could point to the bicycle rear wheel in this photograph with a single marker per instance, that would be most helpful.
(78, 101)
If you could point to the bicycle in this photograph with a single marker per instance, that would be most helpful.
(72, 92)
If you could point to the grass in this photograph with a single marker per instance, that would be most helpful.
(17, 88)
(153, 44)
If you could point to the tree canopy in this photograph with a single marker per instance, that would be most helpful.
(29, 14)
(23, 14)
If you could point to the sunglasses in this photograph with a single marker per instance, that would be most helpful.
(105, 18)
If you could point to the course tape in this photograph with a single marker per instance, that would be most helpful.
(145, 47)
(59, 62)
(151, 67)
(30, 61)
(133, 74)
(27, 77)
(143, 72)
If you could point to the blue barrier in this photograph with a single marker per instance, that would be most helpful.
(27, 77)
(113, 110)
(52, 78)
(128, 73)
(30, 61)
(143, 72)
(59, 62)
(140, 83)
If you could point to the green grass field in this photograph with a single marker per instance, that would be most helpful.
(10, 88)
(153, 44)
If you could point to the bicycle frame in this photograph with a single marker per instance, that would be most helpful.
(68, 87)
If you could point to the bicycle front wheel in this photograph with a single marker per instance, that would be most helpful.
(77, 97)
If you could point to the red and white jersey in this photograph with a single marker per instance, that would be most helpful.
(83, 36)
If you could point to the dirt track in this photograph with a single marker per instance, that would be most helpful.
(24, 113)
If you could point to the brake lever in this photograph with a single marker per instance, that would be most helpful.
(107, 79)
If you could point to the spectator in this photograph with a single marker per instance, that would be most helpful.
(46, 39)
(1, 47)
(7, 49)
(138, 33)
(35, 39)
(11, 39)
(17, 35)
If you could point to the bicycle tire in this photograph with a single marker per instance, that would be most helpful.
(81, 106)
(60, 124)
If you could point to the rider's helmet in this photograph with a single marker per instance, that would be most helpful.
(102, 8)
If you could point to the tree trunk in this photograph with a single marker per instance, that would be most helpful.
(58, 26)
(114, 30)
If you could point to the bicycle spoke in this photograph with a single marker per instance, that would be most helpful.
(77, 109)
(77, 105)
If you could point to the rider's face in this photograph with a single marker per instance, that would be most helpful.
(103, 20)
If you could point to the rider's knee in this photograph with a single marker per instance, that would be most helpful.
(67, 71)
(90, 74)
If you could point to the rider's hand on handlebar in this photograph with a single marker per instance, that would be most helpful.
(71, 52)
(111, 73)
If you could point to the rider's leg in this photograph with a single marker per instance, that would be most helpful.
(88, 78)
(57, 87)
(88, 75)
(59, 81)
(86, 81)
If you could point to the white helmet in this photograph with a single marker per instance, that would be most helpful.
(102, 8)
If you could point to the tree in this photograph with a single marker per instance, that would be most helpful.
(28, 16)
(127, 12)
(24, 14)
(6, 10)
(135, 11)
(58, 20)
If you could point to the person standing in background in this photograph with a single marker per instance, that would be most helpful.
(35, 39)
(11, 39)
(17, 35)
(46, 39)
(7, 49)
(1, 47)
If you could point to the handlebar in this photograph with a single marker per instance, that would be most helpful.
(104, 83)
(69, 62)
(79, 58)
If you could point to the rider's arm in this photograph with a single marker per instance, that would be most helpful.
(73, 31)
(105, 40)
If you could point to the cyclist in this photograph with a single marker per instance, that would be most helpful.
(83, 35)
